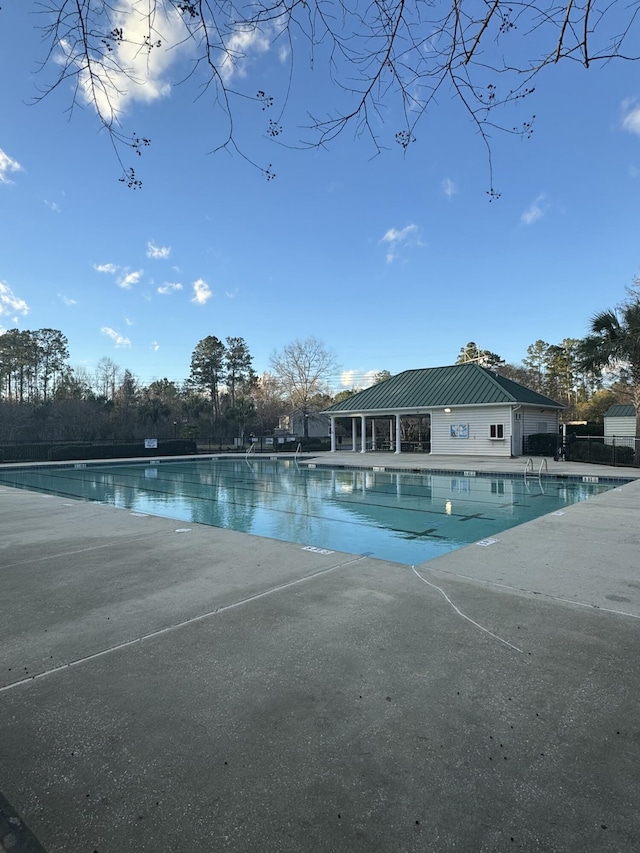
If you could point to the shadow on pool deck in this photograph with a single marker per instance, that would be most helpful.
(205, 690)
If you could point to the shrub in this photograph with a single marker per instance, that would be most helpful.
(542, 443)
(172, 447)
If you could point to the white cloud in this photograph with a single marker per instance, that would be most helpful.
(239, 48)
(231, 294)
(128, 279)
(130, 72)
(169, 287)
(202, 293)
(116, 337)
(7, 165)
(394, 235)
(154, 251)
(155, 346)
(67, 300)
(10, 303)
(395, 238)
(355, 379)
(110, 268)
(129, 322)
(631, 117)
(52, 205)
(535, 211)
(449, 188)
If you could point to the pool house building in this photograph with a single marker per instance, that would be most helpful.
(459, 410)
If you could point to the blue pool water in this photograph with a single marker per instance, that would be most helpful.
(403, 517)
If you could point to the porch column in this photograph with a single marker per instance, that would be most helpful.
(354, 434)
(363, 421)
(373, 433)
(332, 433)
(391, 442)
(398, 435)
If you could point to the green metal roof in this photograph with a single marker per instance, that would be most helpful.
(457, 385)
(620, 410)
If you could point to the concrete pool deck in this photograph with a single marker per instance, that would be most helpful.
(168, 686)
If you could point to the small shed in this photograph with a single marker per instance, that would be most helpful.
(619, 422)
(462, 409)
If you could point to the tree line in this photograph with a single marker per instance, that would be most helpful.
(42, 397)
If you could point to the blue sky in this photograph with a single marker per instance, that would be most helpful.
(393, 261)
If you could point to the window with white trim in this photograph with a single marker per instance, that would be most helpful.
(496, 431)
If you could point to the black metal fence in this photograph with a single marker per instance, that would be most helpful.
(49, 451)
(619, 451)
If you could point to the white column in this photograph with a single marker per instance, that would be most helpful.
(363, 421)
(354, 434)
(332, 433)
(373, 434)
(398, 435)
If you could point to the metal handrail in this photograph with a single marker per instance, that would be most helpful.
(528, 466)
(298, 450)
(544, 465)
(252, 449)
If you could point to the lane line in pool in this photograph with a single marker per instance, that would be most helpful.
(463, 615)
(178, 625)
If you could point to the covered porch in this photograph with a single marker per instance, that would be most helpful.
(394, 432)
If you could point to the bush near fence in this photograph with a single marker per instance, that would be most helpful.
(587, 450)
(172, 447)
(542, 444)
(56, 451)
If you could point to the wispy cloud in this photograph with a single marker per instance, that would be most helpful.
(231, 294)
(118, 339)
(67, 300)
(202, 293)
(11, 304)
(7, 166)
(129, 322)
(535, 211)
(355, 379)
(110, 268)
(395, 238)
(449, 188)
(240, 49)
(631, 115)
(128, 279)
(52, 205)
(154, 251)
(169, 287)
(155, 346)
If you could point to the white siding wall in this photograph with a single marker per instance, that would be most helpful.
(532, 419)
(620, 426)
(479, 420)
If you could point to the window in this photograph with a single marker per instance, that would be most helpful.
(496, 431)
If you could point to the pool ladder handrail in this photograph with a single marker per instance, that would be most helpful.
(529, 467)
(252, 449)
(297, 453)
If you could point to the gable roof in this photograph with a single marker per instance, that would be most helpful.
(620, 410)
(431, 387)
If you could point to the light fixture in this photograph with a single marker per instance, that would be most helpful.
(447, 410)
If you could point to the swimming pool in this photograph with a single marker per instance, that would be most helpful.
(399, 516)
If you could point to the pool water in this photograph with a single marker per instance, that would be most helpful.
(398, 516)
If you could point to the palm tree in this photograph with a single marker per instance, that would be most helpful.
(614, 342)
